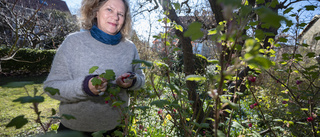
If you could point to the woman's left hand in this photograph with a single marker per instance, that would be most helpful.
(124, 84)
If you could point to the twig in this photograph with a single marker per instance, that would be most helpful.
(264, 119)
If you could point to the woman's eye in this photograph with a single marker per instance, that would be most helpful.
(121, 15)
(109, 9)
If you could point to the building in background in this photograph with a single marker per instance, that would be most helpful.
(34, 23)
(311, 34)
(41, 4)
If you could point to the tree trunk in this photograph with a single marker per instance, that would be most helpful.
(188, 62)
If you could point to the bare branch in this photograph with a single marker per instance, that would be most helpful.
(186, 3)
(148, 10)
(283, 6)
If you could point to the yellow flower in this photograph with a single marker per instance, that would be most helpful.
(164, 123)
(169, 117)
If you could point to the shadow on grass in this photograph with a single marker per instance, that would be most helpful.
(6, 80)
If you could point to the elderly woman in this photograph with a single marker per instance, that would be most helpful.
(105, 45)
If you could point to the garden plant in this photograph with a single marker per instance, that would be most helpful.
(248, 88)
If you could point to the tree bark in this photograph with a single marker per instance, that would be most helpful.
(217, 10)
(188, 62)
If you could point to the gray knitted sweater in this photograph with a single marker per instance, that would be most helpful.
(76, 55)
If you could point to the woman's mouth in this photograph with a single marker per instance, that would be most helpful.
(113, 24)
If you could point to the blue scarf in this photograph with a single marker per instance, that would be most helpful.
(104, 37)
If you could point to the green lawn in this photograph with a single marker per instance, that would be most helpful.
(10, 110)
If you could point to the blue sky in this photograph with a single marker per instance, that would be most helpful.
(141, 24)
(73, 5)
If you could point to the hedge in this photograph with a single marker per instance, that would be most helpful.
(31, 61)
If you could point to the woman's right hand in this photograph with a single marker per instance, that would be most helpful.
(98, 88)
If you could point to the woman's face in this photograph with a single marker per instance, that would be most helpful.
(111, 16)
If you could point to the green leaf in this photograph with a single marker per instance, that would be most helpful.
(251, 46)
(213, 61)
(285, 56)
(160, 103)
(68, 117)
(298, 57)
(231, 104)
(93, 69)
(304, 109)
(109, 75)
(52, 91)
(161, 64)
(18, 84)
(53, 111)
(302, 24)
(54, 126)
(156, 37)
(311, 54)
(174, 87)
(147, 63)
(260, 61)
(305, 45)
(35, 91)
(18, 122)
(114, 90)
(95, 81)
(195, 78)
(236, 125)
(274, 3)
(117, 103)
(286, 30)
(99, 133)
(302, 123)
(204, 125)
(194, 31)
(317, 38)
(310, 7)
(143, 108)
(176, 6)
(178, 27)
(289, 23)
(212, 32)
(278, 120)
(269, 17)
(29, 99)
(201, 56)
(260, 1)
(283, 39)
(176, 49)
(287, 10)
(118, 133)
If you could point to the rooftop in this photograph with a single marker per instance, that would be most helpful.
(311, 23)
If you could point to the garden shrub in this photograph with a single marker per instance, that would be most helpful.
(28, 61)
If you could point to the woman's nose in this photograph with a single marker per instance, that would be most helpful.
(115, 16)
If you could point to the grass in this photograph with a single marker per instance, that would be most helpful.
(10, 110)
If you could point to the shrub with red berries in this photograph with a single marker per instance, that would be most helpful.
(252, 79)
(310, 119)
(298, 82)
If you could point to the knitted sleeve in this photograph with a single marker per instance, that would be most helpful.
(140, 80)
(60, 77)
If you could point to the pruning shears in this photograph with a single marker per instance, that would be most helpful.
(129, 77)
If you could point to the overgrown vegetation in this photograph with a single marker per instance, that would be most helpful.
(249, 89)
